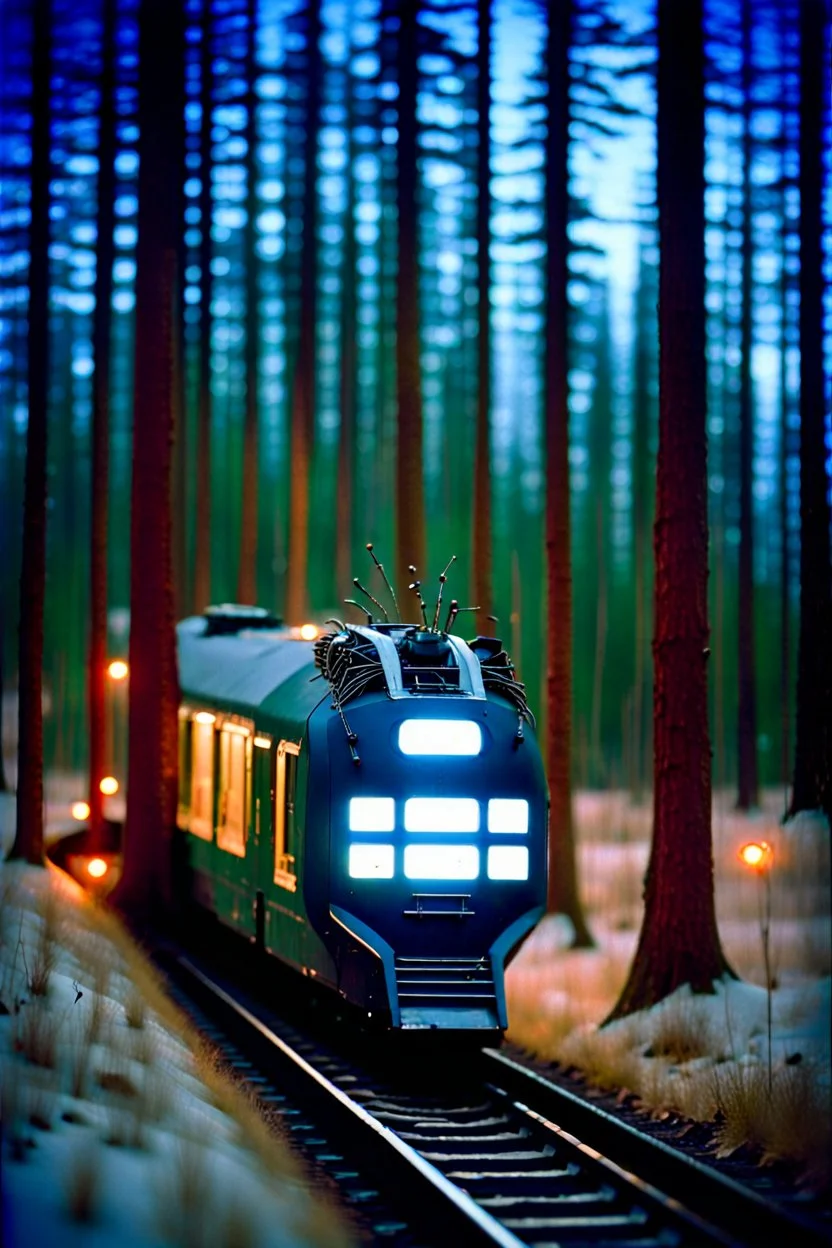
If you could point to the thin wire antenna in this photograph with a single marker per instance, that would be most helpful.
(442, 579)
(416, 586)
(452, 614)
(390, 589)
(361, 607)
(367, 594)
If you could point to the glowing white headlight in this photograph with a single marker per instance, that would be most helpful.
(441, 862)
(371, 862)
(508, 862)
(372, 814)
(442, 814)
(508, 814)
(440, 736)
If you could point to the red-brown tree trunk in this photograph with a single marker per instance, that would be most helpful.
(812, 782)
(303, 391)
(152, 767)
(679, 942)
(247, 568)
(482, 544)
(202, 536)
(28, 841)
(346, 438)
(100, 453)
(410, 501)
(562, 895)
(747, 788)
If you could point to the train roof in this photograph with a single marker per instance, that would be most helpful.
(243, 667)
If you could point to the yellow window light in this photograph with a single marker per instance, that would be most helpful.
(118, 670)
(80, 811)
(97, 868)
(204, 717)
(108, 786)
(263, 743)
(308, 632)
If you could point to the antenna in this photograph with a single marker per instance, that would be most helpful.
(416, 586)
(442, 579)
(452, 613)
(368, 614)
(384, 578)
(367, 594)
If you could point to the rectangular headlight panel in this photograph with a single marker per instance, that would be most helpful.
(442, 814)
(508, 862)
(372, 814)
(371, 862)
(441, 862)
(440, 737)
(508, 814)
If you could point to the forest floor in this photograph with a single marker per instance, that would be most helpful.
(765, 1085)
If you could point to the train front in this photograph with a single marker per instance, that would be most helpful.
(427, 786)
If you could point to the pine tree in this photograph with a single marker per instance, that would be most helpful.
(482, 544)
(247, 567)
(202, 536)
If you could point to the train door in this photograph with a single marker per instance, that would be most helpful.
(261, 837)
(234, 892)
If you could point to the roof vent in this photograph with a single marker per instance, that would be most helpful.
(233, 617)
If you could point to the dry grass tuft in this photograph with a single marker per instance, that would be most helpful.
(82, 1182)
(36, 1035)
(185, 1200)
(681, 1030)
(604, 1056)
(45, 953)
(135, 1009)
(41, 1099)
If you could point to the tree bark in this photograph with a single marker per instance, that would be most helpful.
(202, 537)
(247, 568)
(812, 778)
(747, 789)
(562, 894)
(347, 434)
(100, 456)
(303, 390)
(410, 504)
(482, 543)
(28, 841)
(679, 942)
(152, 769)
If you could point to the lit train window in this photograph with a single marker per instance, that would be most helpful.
(442, 814)
(440, 736)
(371, 862)
(202, 778)
(441, 862)
(284, 815)
(372, 814)
(183, 805)
(508, 814)
(235, 769)
(508, 862)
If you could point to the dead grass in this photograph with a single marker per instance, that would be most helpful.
(36, 1034)
(83, 1181)
(682, 1031)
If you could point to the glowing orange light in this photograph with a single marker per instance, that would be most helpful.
(308, 632)
(97, 867)
(118, 670)
(756, 854)
(80, 811)
(108, 786)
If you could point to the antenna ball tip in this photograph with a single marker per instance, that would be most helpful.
(369, 545)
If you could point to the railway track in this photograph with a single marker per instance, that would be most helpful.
(474, 1149)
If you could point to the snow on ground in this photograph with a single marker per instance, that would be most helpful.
(114, 1130)
(706, 1057)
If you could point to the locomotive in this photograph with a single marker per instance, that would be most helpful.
(368, 805)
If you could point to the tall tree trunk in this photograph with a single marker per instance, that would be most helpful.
(410, 502)
(100, 466)
(247, 568)
(346, 437)
(747, 792)
(303, 390)
(641, 477)
(562, 895)
(28, 841)
(202, 537)
(812, 783)
(679, 941)
(152, 769)
(482, 544)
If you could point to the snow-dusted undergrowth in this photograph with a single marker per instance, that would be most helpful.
(117, 1127)
(705, 1057)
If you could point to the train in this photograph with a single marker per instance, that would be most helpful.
(366, 803)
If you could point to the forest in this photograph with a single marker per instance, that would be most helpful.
(402, 271)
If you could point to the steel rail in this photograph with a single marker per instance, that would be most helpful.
(733, 1207)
